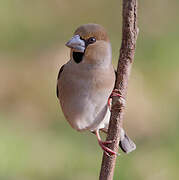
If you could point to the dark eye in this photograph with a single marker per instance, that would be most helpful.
(91, 40)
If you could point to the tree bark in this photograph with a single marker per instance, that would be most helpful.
(129, 37)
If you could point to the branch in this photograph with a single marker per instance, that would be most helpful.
(129, 37)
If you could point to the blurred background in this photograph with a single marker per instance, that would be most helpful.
(36, 142)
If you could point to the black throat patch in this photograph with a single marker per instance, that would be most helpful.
(78, 56)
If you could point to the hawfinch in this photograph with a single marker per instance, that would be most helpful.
(86, 82)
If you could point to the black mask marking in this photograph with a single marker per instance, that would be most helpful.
(78, 56)
(88, 41)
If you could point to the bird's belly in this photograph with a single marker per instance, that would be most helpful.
(83, 107)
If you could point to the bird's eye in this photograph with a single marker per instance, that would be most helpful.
(91, 40)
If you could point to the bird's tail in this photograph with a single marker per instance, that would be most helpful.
(126, 144)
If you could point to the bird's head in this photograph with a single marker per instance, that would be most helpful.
(90, 44)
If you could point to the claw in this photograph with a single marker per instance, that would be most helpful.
(107, 142)
(115, 92)
(103, 144)
(106, 149)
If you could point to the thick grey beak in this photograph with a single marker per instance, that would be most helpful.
(76, 43)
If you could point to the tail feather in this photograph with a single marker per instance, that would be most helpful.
(126, 144)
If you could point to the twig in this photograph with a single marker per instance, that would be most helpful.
(129, 37)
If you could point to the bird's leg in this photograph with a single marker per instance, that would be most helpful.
(109, 102)
(103, 144)
(116, 92)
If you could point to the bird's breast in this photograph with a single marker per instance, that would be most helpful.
(83, 97)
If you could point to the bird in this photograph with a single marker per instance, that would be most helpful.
(86, 82)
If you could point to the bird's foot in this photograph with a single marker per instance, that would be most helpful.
(115, 93)
(106, 150)
(103, 144)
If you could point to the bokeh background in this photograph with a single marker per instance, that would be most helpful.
(36, 142)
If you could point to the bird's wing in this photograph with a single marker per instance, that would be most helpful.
(60, 71)
(115, 74)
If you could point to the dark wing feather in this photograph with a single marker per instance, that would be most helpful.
(115, 74)
(61, 69)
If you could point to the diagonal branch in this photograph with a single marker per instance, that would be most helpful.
(129, 37)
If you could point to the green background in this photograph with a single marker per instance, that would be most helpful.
(36, 142)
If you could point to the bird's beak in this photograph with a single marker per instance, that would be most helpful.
(76, 43)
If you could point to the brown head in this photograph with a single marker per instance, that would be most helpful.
(90, 44)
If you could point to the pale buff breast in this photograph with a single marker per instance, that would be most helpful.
(84, 94)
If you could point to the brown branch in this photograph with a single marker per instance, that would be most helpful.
(129, 37)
